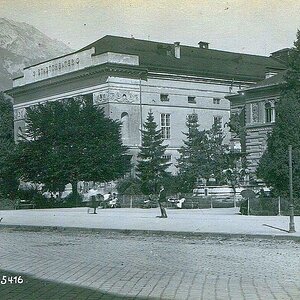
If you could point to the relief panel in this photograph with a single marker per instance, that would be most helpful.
(255, 112)
(121, 96)
(19, 113)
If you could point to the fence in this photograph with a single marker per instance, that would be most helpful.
(269, 206)
(132, 201)
(191, 202)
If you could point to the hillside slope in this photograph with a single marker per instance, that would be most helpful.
(21, 45)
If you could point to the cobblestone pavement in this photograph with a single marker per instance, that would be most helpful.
(58, 265)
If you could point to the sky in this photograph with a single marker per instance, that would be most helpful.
(248, 26)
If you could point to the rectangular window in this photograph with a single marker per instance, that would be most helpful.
(216, 100)
(218, 120)
(268, 116)
(269, 113)
(167, 157)
(165, 125)
(191, 99)
(164, 97)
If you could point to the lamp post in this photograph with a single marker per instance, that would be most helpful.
(292, 223)
(279, 206)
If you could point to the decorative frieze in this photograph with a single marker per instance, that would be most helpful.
(255, 113)
(271, 101)
(19, 113)
(121, 96)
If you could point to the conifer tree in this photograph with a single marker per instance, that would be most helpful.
(8, 169)
(192, 163)
(273, 166)
(203, 155)
(217, 153)
(152, 165)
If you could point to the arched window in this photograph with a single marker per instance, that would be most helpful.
(269, 112)
(125, 125)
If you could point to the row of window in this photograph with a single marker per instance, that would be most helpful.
(165, 123)
(191, 99)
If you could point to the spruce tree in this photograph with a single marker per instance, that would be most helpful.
(217, 153)
(152, 165)
(273, 166)
(192, 163)
(203, 155)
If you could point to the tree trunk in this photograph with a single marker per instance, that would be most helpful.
(75, 194)
(59, 196)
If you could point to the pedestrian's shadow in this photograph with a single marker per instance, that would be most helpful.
(27, 287)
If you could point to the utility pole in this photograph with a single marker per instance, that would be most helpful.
(292, 223)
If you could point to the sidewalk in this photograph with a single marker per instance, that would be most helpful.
(193, 221)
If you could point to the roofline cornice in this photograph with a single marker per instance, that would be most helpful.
(266, 87)
(168, 75)
(254, 90)
(62, 79)
(217, 75)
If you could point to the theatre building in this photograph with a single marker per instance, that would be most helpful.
(129, 77)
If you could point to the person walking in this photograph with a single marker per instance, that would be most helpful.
(162, 199)
(94, 203)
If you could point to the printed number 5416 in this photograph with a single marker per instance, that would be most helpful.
(11, 280)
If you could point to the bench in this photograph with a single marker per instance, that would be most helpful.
(23, 204)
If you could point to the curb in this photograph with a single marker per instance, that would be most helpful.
(182, 234)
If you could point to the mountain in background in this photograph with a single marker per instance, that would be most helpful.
(22, 45)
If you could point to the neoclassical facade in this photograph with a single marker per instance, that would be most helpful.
(256, 105)
(129, 77)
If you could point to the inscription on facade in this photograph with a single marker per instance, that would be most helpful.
(63, 65)
(117, 96)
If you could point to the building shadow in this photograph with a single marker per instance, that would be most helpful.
(33, 288)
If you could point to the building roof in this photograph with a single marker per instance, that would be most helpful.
(159, 57)
(268, 82)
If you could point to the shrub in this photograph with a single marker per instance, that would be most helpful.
(71, 201)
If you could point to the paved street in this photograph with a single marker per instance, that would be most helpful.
(111, 265)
